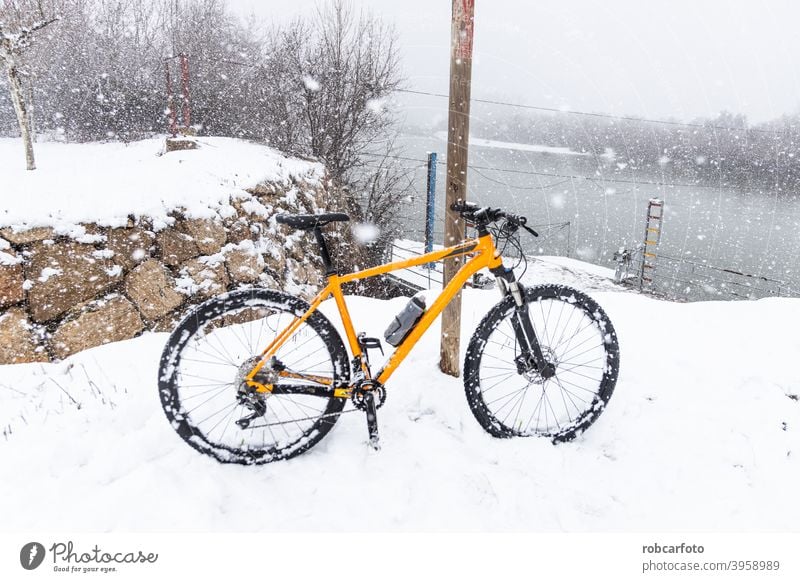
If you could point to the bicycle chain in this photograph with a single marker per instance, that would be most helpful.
(356, 399)
(296, 420)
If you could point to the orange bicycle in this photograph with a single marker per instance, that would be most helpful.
(258, 375)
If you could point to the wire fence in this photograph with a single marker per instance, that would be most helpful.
(679, 277)
(431, 276)
(711, 127)
(554, 238)
(699, 278)
(428, 276)
(674, 278)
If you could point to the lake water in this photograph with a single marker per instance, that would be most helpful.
(709, 234)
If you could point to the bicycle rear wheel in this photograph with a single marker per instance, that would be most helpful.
(217, 344)
(574, 334)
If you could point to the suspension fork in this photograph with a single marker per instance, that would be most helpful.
(531, 355)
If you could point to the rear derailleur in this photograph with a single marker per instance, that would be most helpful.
(248, 396)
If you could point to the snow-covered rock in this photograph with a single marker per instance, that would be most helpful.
(164, 230)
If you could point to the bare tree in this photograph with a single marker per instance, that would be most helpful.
(20, 20)
(328, 78)
(326, 84)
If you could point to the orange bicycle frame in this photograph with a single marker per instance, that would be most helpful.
(482, 254)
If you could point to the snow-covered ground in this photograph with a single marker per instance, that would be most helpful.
(107, 182)
(702, 433)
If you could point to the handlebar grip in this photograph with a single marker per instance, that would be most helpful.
(462, 206)
(485, 215)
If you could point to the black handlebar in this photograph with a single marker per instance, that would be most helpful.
(462, 207)
(484, 215)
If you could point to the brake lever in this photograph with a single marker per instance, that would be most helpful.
(530, 230)
(518, 221)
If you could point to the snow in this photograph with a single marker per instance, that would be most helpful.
(522, 147)
(377, 106)
(366, 233)
(48, 272)
(311, 83)
(700, 434)
(114, 180)
(8, 260)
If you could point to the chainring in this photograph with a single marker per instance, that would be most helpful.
(362, 388)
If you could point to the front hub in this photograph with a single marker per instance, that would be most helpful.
(548, 370)
(527, 367)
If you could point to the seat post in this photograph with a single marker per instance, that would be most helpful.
(323, 249)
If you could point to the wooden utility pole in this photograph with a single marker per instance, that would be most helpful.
(457, 149)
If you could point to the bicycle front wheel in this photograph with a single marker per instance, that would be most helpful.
(211, 351)
(575, 336)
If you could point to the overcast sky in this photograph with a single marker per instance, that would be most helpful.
(653, 58)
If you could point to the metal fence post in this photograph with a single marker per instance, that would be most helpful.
(430, 205)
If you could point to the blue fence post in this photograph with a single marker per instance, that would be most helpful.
(429, 210)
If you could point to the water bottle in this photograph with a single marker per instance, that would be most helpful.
(405, 321)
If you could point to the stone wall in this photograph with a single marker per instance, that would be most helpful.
(61, 293)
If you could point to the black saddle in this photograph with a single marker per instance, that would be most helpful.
(310, 221)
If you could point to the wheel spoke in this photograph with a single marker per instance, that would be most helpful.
(576, 386)
(560, 339)
(572, 371)
(505, 374)
(210, 398)
(572, 338)
(496, 384)
(196, 394)
(506, 396)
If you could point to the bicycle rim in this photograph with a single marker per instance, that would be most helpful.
(214, 348)
(576, 336)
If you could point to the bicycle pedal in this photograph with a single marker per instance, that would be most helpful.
(374, 444)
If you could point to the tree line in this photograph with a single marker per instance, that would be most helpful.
(724, 151)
